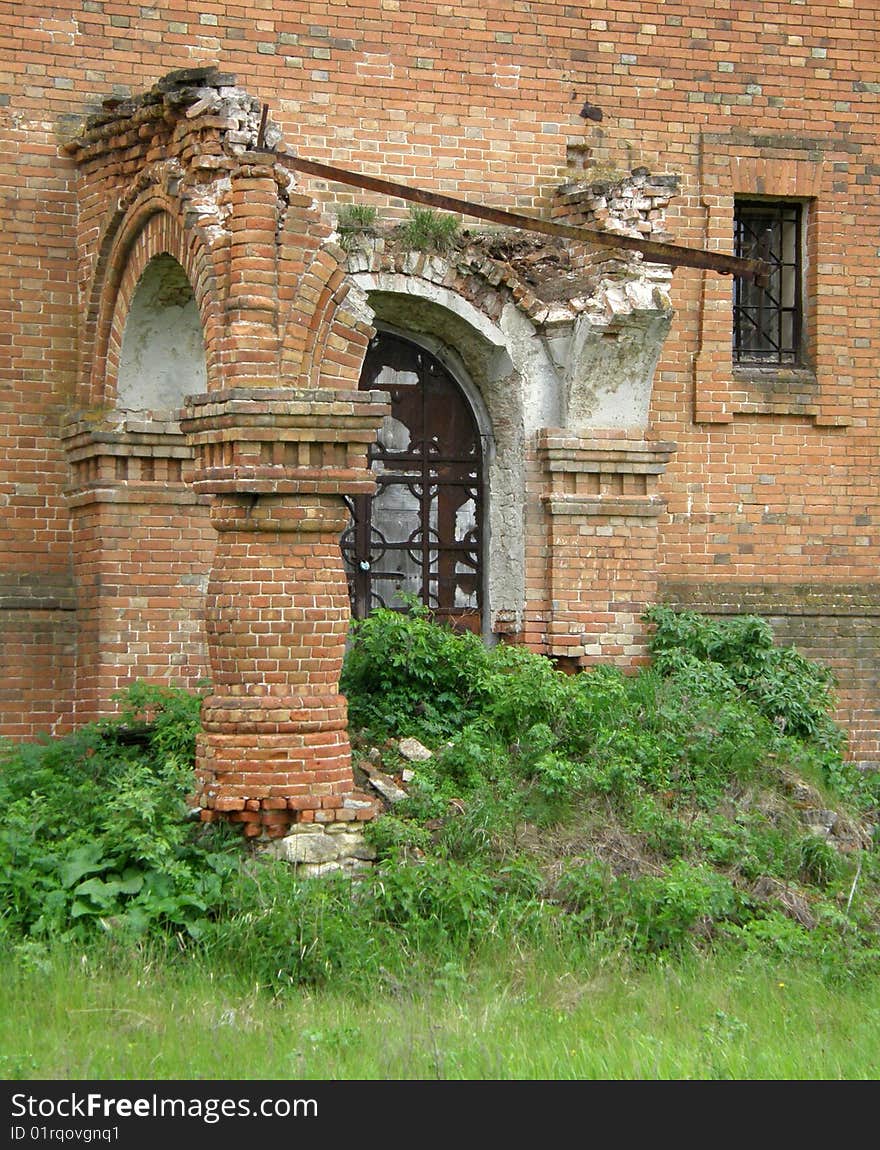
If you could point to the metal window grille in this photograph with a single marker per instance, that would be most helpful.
(768, 318)
(421, 534)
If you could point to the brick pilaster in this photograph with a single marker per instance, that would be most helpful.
(142, 547)
(602, 509)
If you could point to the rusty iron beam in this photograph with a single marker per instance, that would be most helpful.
(675, 255)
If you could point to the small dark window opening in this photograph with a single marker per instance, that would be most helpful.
(768, 319)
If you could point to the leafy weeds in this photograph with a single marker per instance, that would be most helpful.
(97, 833)
(649, 814)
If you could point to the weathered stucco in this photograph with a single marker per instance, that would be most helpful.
(163, 351)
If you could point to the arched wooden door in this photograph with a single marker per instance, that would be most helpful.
(421, 534)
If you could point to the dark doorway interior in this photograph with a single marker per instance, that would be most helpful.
(421, 534)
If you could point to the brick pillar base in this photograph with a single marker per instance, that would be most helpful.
(602, 511)
(141, 544)
(274, 749)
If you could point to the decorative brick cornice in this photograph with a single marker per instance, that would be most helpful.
(127, 459)
(279, 441)
(596, 476)
(563, 451)
(616, 506)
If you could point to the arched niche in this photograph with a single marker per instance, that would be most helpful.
(163, 350)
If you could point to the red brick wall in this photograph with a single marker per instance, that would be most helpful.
(141, 559)
(484, 100)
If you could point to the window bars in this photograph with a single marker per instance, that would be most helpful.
(768, 319)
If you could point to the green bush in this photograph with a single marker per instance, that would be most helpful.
(738, 653)
(668, 910)
(393, 837)
(97, 833)
(406, 675)
(538, 782)
(719, 707)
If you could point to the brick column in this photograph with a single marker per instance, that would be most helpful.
(602, 509)
(249, 346)
(274, 749)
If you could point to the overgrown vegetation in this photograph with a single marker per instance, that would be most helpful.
(651, 813)
(592, 815)
(97, 834)
(425, 230)
(355, 223)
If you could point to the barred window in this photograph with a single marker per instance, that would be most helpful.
(768, 317)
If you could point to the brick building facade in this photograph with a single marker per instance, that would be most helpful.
(196, 358)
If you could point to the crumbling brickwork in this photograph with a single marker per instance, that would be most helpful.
(209, 544)
(627, 457)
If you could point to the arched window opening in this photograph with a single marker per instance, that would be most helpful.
(421, 535)
(163, 351)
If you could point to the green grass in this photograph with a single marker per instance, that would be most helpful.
(425, 230)
(595, 876)
(521, 1016)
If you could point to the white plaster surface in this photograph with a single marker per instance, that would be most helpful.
(163, 352)
(610, 372)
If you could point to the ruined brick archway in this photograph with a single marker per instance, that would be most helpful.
(152, 218)
(566, 381)
(770, 501)
(209, 535)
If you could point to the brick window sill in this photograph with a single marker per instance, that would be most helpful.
(774, 390)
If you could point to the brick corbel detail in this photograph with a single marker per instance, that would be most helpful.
(602, 507)
(277, 462)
